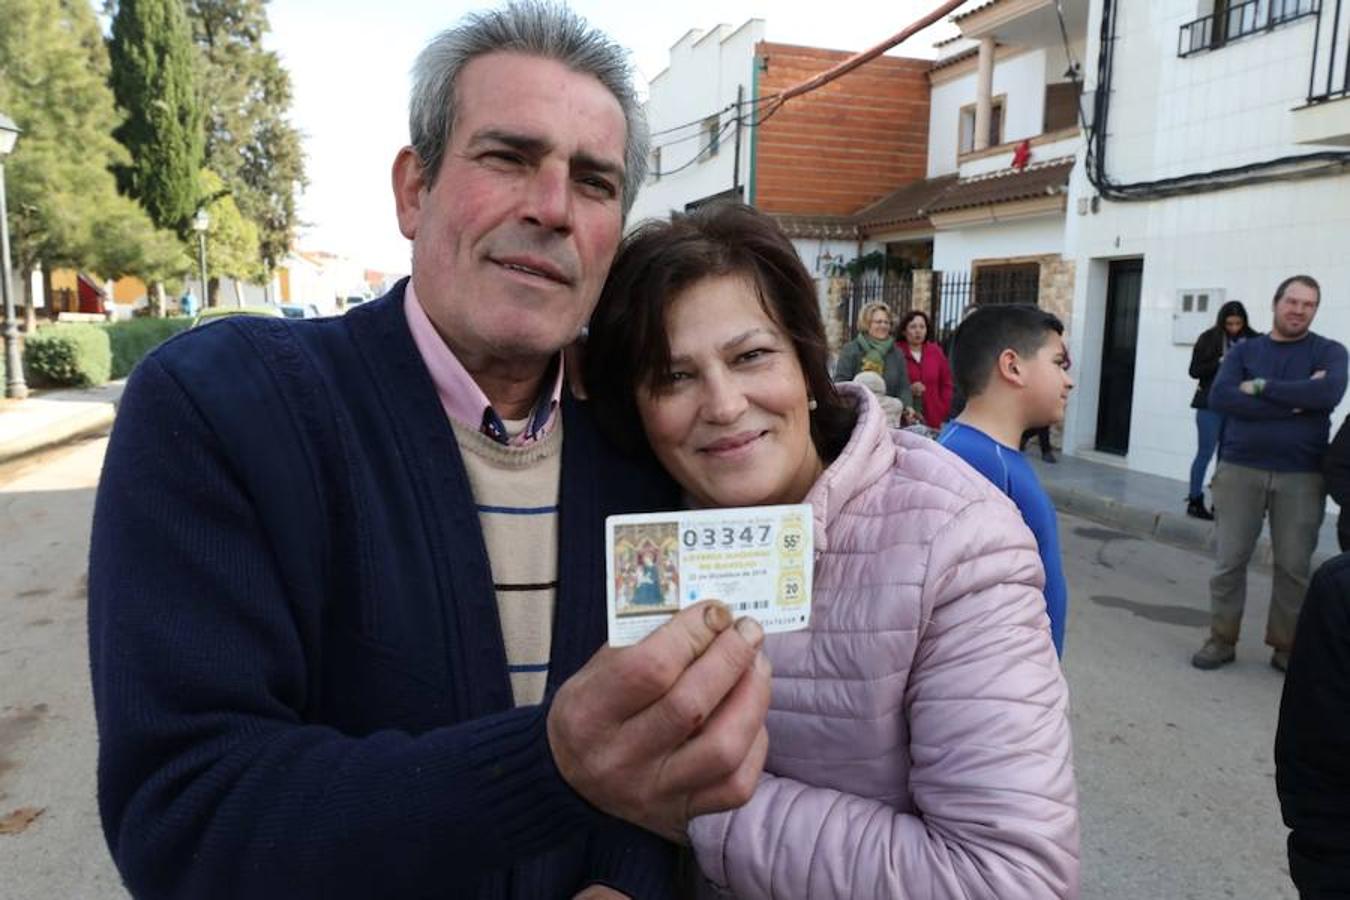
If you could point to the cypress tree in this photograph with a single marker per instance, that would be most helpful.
(153, 80)
(250, 141)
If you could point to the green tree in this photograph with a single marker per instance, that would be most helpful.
(154, 80)
(231, 241)
(246, 96)
(63, 202)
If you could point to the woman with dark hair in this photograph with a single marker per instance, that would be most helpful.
(1230, 328)
(918, 733)
(930, 375)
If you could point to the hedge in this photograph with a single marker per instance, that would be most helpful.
(134, 338)
(68, 356)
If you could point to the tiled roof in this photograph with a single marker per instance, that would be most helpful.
(953, 59)
(1006, 186)
(906, 207)
(911, 206)
(970, 12)
(836, 227)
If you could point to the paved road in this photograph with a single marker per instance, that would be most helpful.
(47, 735)
(1174, 765)
(1175, 771)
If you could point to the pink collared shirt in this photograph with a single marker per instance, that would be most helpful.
(462, 398)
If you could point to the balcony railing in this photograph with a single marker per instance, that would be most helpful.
(1331, 54)
(1240, 20)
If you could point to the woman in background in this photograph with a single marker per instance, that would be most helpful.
(930, 375)
(874, 350)
(1230, 328)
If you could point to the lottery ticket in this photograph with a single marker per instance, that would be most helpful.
(755, 559)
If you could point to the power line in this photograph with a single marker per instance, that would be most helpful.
(777, 100)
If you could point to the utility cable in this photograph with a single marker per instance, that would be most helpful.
(1280, 169)
(776, 101)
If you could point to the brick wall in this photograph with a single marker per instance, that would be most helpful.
(841, 146)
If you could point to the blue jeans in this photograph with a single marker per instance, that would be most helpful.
(1208, 427)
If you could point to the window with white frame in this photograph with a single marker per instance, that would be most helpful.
(966, 143)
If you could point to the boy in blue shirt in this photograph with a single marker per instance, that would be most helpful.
(1011, 364)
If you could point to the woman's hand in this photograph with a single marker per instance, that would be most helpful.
(916, 388)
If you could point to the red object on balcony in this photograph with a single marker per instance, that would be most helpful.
(1022, 155)
(92, 297)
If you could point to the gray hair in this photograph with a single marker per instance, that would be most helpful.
(536, 28)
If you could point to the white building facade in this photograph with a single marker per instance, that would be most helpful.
(699, 148)
(1003, 136)
(1216, 172)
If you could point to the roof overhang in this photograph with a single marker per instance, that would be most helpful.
(994, 213)
(1027, 22)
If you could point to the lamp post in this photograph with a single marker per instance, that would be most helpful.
(14, 383)
(200, 223)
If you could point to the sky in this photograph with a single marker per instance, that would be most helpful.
(349, 63)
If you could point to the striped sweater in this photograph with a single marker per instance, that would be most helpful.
(516, 491)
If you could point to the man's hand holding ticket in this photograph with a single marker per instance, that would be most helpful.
(757, 560)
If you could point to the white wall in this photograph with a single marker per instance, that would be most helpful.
(1172, 116)
(704, 72)
(954, 251)
(1245, 241)
(1021, 78)
(813, 250)
(1215, 109)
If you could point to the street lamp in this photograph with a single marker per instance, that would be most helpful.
(14, 383)
(200, 223)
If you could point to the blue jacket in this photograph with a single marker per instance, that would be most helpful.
(298, 668)
(1285, 429)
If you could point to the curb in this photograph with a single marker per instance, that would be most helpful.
(1174, 529)
(92, 419)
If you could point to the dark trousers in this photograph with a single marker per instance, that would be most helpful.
(1042, 436)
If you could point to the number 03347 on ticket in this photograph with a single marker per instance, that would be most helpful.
(757, 560)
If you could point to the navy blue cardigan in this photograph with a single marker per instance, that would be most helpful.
(298, 668)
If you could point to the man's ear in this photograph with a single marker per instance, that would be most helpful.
(408, 185)
(1011, 368)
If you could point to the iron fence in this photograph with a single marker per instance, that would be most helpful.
(1330, 79)
(1240, 20)
(955, 292)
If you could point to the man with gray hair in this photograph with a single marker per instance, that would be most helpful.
(346, 579)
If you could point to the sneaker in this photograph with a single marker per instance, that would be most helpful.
(1049, 456)
(1195, 508)
(1215, 653)
(1279, 660)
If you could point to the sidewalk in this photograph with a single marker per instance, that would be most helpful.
(1146, 505)
(50, 417)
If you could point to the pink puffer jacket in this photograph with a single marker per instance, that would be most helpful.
(918, 734)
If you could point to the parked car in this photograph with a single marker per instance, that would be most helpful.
(300, 310)
(220, 312)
